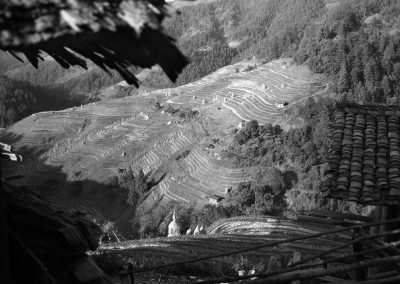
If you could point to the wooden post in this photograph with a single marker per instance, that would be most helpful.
(295, 258)
(392, 212)
(360, 274)
(383, 217)
(274, 263)
(374, 230)
(5, 254)
(127, 277)
(383, 214)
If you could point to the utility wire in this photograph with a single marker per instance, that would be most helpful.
(270, 244)
(292, 268)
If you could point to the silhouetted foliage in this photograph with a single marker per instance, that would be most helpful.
(183, 113)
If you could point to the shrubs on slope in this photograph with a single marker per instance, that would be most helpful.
(137, 186)
(183, 113)
(263, 195)
(281, 162)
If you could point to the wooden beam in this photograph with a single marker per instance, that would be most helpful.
(384, 275)
(342, 216)
(5, 253)
(320, 272)
(331, 279)
(362, 273)
(377, 218)
(323, 220)
(374, 230)
(382, 228)
(386, 251)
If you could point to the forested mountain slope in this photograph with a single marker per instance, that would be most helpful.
(226, 32)
(354, 43)
(50, 87)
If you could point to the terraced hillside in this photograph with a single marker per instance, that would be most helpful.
(231, 235)
(259, 93)
(94, 141)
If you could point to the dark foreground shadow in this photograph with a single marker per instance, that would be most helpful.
(99, 201)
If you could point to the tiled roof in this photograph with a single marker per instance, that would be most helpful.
(364, 156)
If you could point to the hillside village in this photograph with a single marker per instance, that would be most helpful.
(271, 158)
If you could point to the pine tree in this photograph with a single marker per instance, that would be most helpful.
(137, 186)
(343, 83)
(387, 58)
(355, 78)
(383, 44)
(368, 74)
(377, 72)
(357, 71)
(360, 92)
(396, 71)
(140, 183)
(371, 89)
(386, 86)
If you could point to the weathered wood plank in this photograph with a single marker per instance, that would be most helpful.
(342, 216)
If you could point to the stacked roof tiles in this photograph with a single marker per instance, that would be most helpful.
(364, 157)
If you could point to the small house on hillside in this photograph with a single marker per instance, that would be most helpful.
(210, 147)
(392, 101)
(228, 189)
(215, 199)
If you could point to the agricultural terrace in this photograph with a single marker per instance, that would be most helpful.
(202, 177)
(94, 141)
(250, 89)
(231, 235)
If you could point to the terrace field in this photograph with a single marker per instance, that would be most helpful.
(95, 141)
(229, 235)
